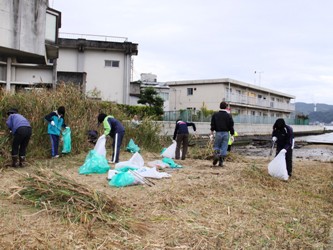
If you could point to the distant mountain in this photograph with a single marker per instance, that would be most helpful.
(323, 114)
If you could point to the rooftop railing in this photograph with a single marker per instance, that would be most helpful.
(93, 37)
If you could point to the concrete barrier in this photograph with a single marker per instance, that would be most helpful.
(203, 128)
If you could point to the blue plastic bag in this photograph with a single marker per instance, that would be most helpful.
(67, 141)
(132, 147)
(94, 164)
(122, 179)
(171, 163)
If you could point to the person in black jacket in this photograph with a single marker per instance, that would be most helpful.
(283, 135)
(181, 135)
(222, 123)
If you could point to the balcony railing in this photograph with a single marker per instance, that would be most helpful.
(259, 102)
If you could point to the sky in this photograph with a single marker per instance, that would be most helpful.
(283, 45)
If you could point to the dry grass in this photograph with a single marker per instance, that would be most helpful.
(200, 207)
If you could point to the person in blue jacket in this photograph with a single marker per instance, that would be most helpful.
(20, 127)
(56, 121)
(181, 135)
(115, 130)
(283, 136)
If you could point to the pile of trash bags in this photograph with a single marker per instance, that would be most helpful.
(127, 173)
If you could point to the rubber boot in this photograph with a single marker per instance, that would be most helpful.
(14, 161)
(216, 157)
(221, 159)
(22, 160)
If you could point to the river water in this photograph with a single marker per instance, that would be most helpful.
(323, 138)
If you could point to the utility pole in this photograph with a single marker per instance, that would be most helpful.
(259, 72)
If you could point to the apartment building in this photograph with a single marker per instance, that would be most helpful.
(244, 99)
(32, 54)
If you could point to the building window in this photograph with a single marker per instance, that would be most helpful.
(189, 91)
(111, 63)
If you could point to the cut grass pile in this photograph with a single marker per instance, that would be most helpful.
(57, 194)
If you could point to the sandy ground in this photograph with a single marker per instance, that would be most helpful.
(316, 152)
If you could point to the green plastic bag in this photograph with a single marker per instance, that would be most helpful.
(171, 163)
(94, 164)
(132, 147)
(126, 169)
(67, 141)
(122, 179)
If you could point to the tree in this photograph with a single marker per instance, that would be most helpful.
(149, 96)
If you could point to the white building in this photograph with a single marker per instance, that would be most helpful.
(149, 80)
(103, 67)
(32, 54)
(243, 98)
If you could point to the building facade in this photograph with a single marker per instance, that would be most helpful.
(103, 66)
(32, 54)
(149, 80)
(244, 99)
(28, 42)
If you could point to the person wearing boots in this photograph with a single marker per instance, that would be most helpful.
(283, 136)
(115, 130)
(181, 135)
(222, 123)
(20, 127)
(56, 121)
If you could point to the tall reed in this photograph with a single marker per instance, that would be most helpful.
(81, 116)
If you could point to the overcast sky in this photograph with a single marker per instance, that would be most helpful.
(289, 43)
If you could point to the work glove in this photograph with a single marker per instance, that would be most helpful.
(52, 123)
(283, 151)
(274, 138)
(211, 137)
(232, 139)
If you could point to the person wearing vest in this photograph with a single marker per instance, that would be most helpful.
(56, 121)
(115, 130)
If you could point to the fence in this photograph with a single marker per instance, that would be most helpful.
(187, 115)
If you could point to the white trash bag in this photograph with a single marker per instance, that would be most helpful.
(100, 146)
(170, 152)
(277, 167)
(136, 161)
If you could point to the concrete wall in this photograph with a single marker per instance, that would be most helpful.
(22, 25)
(107, 80)
(203, 128)
(33, 76)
